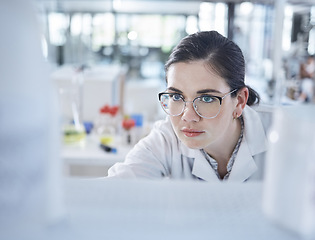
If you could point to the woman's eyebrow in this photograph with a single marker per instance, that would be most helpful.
(174, 90)
(208, 91)
(198, 92)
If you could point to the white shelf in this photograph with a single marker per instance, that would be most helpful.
(88, 155)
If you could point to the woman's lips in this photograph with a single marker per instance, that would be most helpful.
(191, 132)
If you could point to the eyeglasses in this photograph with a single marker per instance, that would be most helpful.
(206, 106)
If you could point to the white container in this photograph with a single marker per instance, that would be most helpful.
(289, 184)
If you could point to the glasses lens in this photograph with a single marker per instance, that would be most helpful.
(172, 104)
(207, 106)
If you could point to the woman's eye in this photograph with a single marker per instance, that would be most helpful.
(207, 99)
(176, 97)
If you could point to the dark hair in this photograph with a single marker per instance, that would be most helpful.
(221, 54)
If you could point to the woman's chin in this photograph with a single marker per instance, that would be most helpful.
(192, 144)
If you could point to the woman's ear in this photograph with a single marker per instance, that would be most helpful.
(241, 97)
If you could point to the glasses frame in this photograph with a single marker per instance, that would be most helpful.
(193, 102)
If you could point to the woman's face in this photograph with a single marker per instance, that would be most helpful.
(189, 80)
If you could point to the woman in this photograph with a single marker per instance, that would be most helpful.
(210, 133)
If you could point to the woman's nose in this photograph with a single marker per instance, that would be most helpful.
(189, 113)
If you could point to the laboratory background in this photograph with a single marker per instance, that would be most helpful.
(104, 62)
(107, 61)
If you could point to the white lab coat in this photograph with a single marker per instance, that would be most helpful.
(162, 154)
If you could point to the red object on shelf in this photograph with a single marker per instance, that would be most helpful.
(113, 110)
(128, 123)
(105, 109)
(108, 109)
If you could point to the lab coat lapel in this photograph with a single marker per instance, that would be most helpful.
(254, 128)
(202, 169)
(244, 165)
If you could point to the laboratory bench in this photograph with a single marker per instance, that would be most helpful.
(88, 159)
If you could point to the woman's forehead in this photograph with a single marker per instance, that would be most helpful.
(196, 69)
(195, 77)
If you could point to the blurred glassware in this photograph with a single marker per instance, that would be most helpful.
(70, 97)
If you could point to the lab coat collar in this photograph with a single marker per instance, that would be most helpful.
(202, 169)
(253, 129)
(244, 165)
